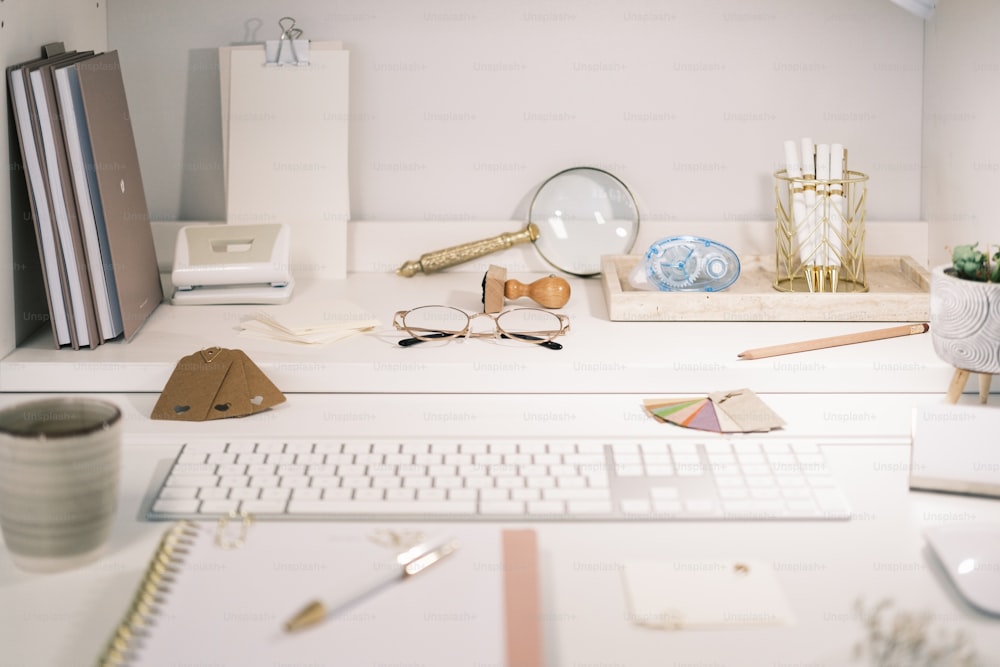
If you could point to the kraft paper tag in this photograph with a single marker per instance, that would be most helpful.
(215, 383)
(746, 410)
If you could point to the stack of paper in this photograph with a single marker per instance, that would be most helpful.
(737, 411)
(309, 322)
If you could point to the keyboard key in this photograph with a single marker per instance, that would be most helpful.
(176, 505)
(501, 507)
(304, 493)
(194, 469)
(219, 506)
(179, 492)
(588, 506)
(298, 447)
(244, 493)
(629, 470)
(494, 494)
(229, 469)
(263, 506)
(206, 446)
(639, 507)
(192, 480)
(691, 469)
(264, 481)
(447, 507)
(575, 494)
(270, 447)
(525, 494)
(683, 448)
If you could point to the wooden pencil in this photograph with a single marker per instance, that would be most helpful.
(834, 341)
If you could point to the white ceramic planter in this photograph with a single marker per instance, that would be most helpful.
(965, 322)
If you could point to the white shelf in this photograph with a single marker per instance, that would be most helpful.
(599, 356)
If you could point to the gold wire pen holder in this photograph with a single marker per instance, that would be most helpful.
(820, 233)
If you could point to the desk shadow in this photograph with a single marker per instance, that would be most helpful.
(202, 195)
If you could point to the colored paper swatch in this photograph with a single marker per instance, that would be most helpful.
(738, 411)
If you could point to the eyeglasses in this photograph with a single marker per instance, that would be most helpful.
(527, 325)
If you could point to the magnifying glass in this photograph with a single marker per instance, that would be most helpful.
(576, 216)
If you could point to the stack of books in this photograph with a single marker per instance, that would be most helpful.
(87, 199)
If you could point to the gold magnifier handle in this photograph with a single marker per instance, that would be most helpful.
(442, 259)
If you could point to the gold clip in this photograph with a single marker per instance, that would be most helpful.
(224, 542)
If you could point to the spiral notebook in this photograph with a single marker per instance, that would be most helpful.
(219, 594)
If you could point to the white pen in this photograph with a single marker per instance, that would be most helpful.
(809, 195)
(794, 172)
(408, 564)
(838, 204)
(822, 209)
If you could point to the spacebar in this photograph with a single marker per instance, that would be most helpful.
(379, 507)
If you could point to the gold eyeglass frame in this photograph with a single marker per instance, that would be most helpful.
(536, 337)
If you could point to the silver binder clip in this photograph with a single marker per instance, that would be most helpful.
(297, 51)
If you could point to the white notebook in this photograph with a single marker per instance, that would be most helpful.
(216, 595)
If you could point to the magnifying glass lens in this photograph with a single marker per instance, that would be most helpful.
(581, 214)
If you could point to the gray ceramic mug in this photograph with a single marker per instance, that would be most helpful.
(59, 480)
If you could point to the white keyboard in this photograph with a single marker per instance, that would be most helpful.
(503, 479)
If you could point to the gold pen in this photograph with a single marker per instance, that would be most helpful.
(408, 564)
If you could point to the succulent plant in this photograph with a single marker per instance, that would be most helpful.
(970, 263)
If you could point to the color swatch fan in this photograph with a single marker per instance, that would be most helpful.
(738, 411)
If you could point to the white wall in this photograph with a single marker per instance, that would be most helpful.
(961, 155)
(460, 108)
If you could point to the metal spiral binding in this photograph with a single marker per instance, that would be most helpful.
(155, 582)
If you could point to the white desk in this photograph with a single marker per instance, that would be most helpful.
(856, 399)
(599, 355)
